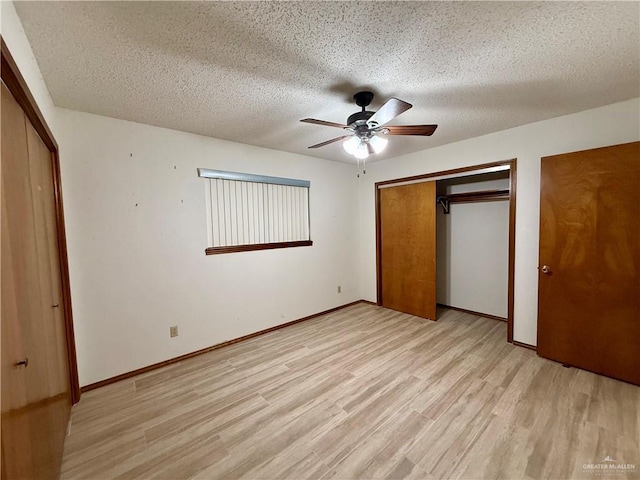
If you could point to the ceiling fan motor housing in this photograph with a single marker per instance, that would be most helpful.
(359, 118)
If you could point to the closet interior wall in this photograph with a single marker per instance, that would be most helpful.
(473, 245)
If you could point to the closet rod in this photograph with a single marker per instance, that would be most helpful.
(481, 196)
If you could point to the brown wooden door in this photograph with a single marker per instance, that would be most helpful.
(589, 280)
(35, 395)
(408, 248)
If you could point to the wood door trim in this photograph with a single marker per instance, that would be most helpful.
(18, 87)
(512, 163)
(454, 171)
(512, 247)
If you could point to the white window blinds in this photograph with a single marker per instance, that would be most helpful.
(246, 210)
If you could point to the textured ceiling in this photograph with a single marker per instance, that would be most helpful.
(249, 71)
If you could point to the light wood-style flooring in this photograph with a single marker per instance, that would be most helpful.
(364, 392)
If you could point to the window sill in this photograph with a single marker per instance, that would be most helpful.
(256, 246)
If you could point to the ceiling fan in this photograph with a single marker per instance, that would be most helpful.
(366, 127)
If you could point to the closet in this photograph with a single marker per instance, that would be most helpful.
(39, 377)
(448, 239)
(472, 229)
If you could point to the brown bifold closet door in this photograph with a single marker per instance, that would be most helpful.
(589, 273)
(36, 397)
(408, 248)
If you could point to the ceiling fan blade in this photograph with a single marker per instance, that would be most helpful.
(390, 110)
(323, 122)
(424, 130)
(329, 141)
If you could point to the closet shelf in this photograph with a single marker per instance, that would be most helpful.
(466, 197)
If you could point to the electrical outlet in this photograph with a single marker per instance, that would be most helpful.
(173, 331)
(339, 289)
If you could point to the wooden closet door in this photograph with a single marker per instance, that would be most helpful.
(589, 280)
(51, 326)
(50, 335)
(16, 447)
(408, 248)
(35, 417)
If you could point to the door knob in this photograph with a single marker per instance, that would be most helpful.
(24, 362)
(55, 306)
(545, 269)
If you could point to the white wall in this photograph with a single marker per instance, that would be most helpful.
(609, 125)
(473, 252)
(136, 230)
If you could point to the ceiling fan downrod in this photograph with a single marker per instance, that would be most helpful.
(359, 119)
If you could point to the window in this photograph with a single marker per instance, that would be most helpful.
(255, 212)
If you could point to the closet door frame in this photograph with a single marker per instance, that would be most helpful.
(512, 225)
(16, 84)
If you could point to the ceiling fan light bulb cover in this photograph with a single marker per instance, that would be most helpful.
(350, 145)
(361, 152)
(378, 144)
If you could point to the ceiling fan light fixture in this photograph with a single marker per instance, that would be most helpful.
(378, 143)
(362, 151)
(350, 145)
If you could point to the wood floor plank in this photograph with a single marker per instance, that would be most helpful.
(216, 419)
(611, 404)
(382, 453)
(507, 458)
(263, 425)
(362, 392)
(362, 421)
(452, 433)
(246, 459)
(556, 445)
(119, 423)
(293, 464)
(90, 463)
(531, 389)
(440, 393)
(178, 458)
(407, 470)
